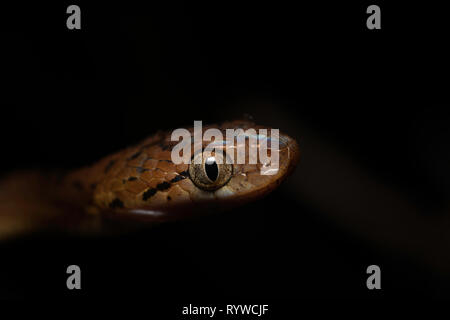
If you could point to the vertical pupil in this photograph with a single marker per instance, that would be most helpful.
(212, 171)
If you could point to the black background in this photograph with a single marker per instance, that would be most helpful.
(72, 96)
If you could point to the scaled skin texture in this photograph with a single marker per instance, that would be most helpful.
(142, 180)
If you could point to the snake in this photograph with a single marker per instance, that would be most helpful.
(139, 183)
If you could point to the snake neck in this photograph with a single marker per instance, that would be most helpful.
(34, 200)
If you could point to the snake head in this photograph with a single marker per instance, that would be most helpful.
(219, 171)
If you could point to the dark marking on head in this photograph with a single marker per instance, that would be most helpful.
(184, 173)
(109, 165)
(77, 184)
(140, 169)
(132, 178)
(163, 186)
(134, 156)
(169, 198)
(177, 178)
(165, 146)
(147, 194)
(116, 203)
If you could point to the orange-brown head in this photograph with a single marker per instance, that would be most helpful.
(149, 181)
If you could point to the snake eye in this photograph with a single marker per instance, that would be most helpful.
(208, 173)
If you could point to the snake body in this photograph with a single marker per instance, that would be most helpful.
(138, 182)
